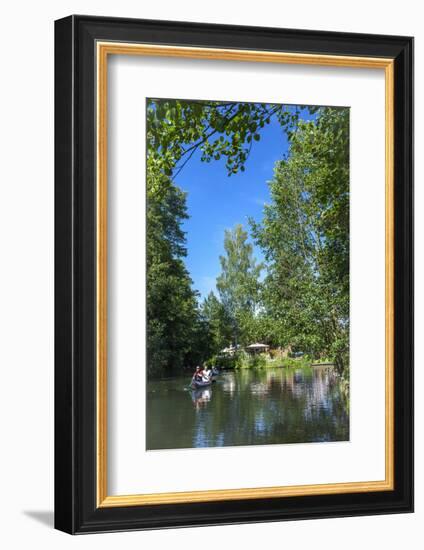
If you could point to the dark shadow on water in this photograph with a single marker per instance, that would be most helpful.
(46, 517)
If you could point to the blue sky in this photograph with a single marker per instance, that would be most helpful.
(217, 202)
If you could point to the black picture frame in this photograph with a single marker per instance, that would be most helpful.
(76, 510)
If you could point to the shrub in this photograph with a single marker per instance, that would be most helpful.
(257, 361)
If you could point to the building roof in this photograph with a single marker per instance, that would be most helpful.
(258, 345)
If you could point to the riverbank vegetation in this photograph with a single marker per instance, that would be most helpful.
(244, 360)
(297, 297)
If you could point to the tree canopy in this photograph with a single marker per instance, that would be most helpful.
(176, 129)
(304, 235)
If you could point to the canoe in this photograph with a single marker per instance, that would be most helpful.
(198, 384)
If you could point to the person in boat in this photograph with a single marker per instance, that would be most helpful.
(207, 374)
(198, 375)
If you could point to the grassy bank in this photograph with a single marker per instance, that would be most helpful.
(243, 360)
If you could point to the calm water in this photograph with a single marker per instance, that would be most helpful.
(247, 407)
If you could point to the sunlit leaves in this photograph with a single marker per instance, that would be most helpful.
(304, 235)
(238, 283)
(176, 129)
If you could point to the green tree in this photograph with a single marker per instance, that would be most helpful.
(217, 324)
(304, 235)
(172, 311)
(238, 284)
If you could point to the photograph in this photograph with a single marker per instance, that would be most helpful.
(233, 259)
(247, 273)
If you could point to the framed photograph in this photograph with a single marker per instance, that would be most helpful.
(234, 274)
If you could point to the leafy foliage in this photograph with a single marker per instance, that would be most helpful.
(238, 283)
(178, 128)
(172, 311)
(305, 238)
(217, 323)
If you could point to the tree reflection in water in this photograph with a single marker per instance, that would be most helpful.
(248, 407)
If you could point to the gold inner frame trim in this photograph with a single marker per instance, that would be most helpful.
(104, 49)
